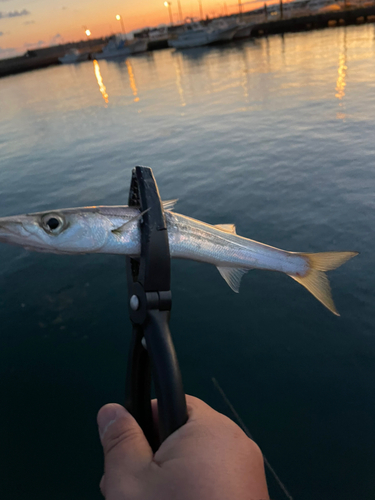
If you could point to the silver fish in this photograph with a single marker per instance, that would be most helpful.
(116, 230)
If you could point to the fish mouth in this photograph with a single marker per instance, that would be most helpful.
(9, 228)
(17, 232)
(14, 233)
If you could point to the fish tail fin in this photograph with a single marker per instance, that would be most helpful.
(316, 281)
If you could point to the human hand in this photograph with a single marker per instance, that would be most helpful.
(208, 458)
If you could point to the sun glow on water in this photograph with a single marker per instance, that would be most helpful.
(99, 79)
(132, 80)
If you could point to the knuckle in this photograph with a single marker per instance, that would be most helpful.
(254, 454)
(254, 449)
(243, 440)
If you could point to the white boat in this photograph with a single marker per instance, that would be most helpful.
(158, 38)
(157, 34)
(74, 56)
(195, 34)
(243, 30)
(118, 47)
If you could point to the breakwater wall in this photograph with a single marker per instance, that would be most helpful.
(40, 58)
(315, 21)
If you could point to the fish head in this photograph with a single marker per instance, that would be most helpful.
(60, 231)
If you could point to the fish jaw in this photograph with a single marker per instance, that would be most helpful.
(20, 230)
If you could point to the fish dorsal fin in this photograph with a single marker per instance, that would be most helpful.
(169, 204)
(228, 228)
(121, 229)
(232, 276)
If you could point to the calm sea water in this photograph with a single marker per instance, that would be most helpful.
(275, 135)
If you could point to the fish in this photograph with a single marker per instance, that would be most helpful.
(116, 230)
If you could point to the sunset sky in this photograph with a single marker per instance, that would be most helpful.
(25, 24)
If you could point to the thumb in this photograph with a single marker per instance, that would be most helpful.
(126, 450)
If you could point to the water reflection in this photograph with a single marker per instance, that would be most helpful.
(132, 80)
(340, 84)
(177, 65)
(341, 80)
(244, 77)
(99, 79)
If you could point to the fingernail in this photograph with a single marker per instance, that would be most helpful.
(107, 416)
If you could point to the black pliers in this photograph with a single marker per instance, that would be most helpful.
(152, 354)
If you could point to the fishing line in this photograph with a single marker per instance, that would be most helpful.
(247, 432)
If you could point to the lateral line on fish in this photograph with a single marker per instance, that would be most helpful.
(257, 251)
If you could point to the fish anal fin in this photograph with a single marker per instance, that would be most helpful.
(228, 228)
(232, 276)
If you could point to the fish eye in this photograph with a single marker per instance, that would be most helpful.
(52, 223)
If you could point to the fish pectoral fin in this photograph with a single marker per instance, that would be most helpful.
(232, 276)
(121, 229)
(169, 204)
(228, 228)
